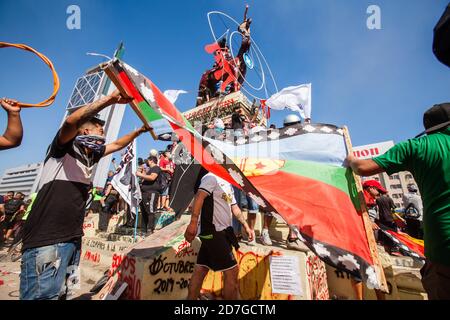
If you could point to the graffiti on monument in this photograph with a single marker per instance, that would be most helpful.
(317, 278)
(124, 268)
(171, 274)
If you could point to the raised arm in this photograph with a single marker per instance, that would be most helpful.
(14, 131)
(245, 12)
(75, 120)
(123, 141)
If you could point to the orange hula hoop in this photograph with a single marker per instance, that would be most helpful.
(47, 61)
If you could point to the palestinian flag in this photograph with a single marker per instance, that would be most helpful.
(296, 172)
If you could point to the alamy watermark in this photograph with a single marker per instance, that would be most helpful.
(374, 20)
(73, 21)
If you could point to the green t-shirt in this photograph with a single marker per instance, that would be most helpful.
(428, 159)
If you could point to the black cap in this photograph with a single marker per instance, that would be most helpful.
(96, 119)
(436, 118)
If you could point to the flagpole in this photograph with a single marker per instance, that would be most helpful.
(366, 220)
(131, 198)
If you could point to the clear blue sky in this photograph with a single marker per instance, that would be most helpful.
(377, 82)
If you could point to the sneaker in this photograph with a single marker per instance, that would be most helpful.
(265, 238)
(296, 244)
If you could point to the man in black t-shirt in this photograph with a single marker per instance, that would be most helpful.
(53, 230)
(13, 207)
(386, 221)
(150, 189)
(385, 207)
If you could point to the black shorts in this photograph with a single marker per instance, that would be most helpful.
(216, 252)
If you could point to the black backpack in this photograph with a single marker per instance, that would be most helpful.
(411, 212)
(163, 181)
(12, 205)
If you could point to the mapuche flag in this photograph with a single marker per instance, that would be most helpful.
(303, 181)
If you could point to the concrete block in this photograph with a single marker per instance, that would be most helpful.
(160, 267)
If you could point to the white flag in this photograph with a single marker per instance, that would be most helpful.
(172, 95)
(295, 98)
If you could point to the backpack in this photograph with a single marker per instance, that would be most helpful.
(162, 181)
(411, 212)
(11, 206)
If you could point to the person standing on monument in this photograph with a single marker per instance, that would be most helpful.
(150, 188)
(215, 205)
(52, 233)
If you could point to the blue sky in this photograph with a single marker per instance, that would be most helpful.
(377, 82)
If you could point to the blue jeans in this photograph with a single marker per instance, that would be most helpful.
(50, 272)
(243, 201)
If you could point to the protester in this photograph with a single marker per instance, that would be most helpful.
(52, 233)
(19, 224)
(110, 200)
(97, 198)
(412, 203)
(428, 159)
(239, 120)
(14, 207)
(150, 189)
(14, 132)
(167, 167)
(243, 201)
(385, 221)
(214, 203)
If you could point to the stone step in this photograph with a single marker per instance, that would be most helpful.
(100, 251)
(91, 272)
(124, 238)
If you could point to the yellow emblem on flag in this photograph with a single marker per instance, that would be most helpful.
(252, 167)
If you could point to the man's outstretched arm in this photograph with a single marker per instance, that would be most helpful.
(123, 141)
(75, 120)
(363, 167)
(14, 131)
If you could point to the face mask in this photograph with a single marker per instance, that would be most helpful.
(94, 143)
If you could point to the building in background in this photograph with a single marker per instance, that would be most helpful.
(92, 86)
(23, 179)
(395, 184)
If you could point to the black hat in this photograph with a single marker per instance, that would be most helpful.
(96, 119)
(436, 118)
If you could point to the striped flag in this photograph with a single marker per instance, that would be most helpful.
(296, 172)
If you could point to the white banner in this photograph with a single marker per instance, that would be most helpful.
(125, 180)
